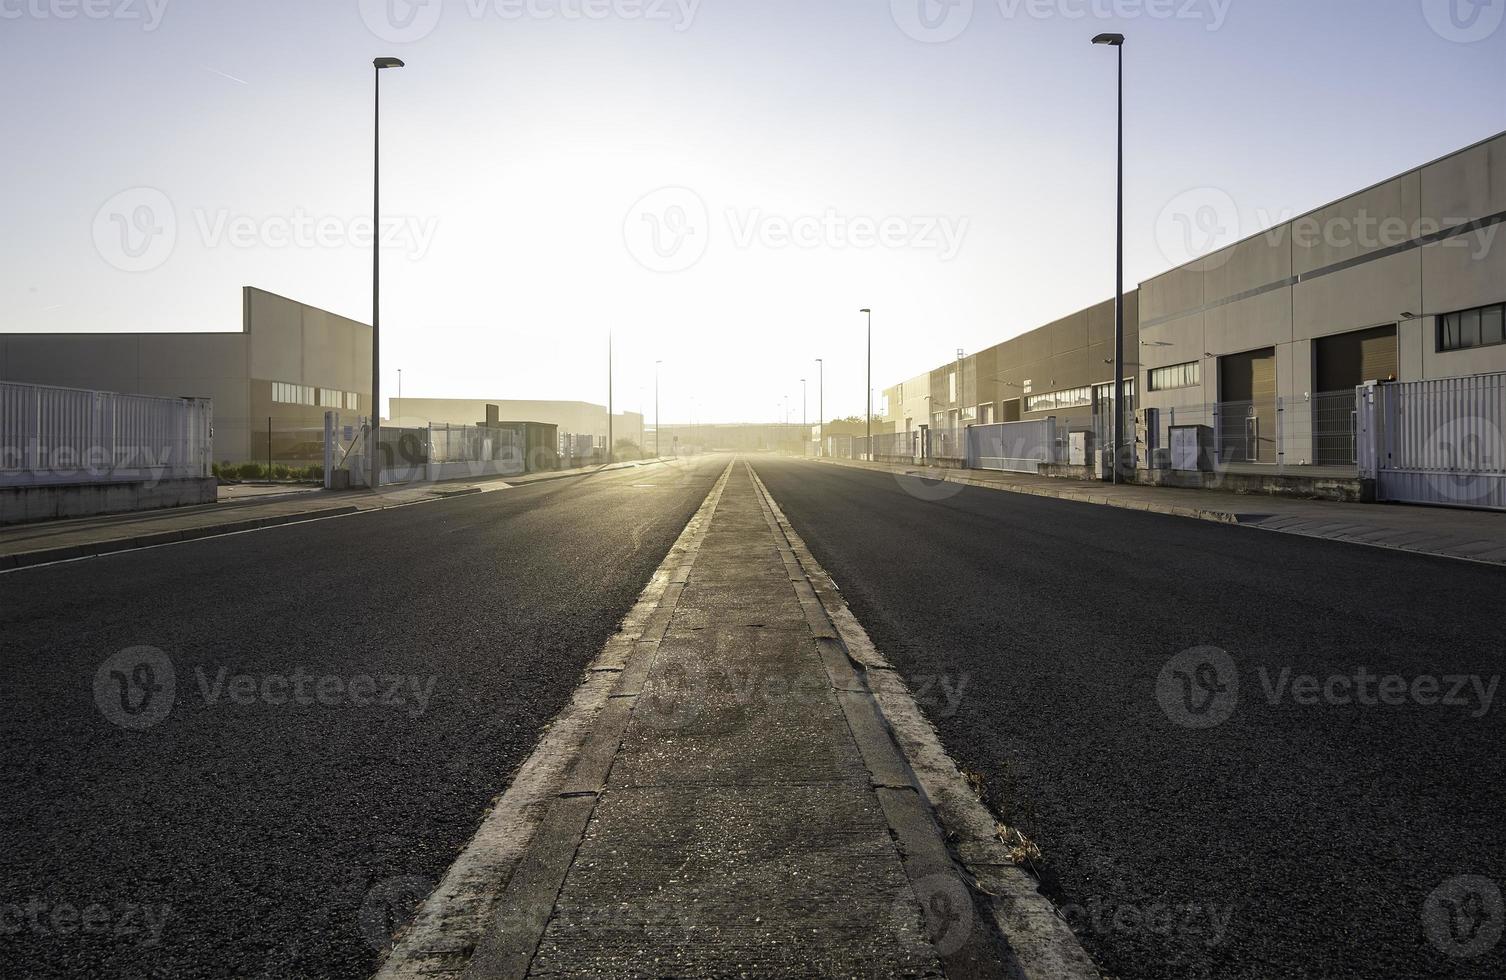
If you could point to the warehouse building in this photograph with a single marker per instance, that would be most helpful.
(271, 381)
(1264, 342)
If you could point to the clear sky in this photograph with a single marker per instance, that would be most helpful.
(721, 182)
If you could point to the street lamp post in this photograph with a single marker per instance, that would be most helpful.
(868, 390)
(656, 408)
(1117, 41)
(611, 447)
(374, 444)
(820, 408)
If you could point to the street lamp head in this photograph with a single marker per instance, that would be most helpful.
(381, 63)
(1111, 39)
(865, 310)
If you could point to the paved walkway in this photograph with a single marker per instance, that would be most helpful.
(733, 814)
(29, 544)
(1474, 535)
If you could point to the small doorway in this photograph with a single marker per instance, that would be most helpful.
(1247, 407)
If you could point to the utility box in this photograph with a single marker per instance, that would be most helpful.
(1192, 448)
(1080, 448)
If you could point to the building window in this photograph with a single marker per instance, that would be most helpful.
(1188, 375)
(329, 398)
(291, 394)
(1057, 400)
(1481, 327)
(352, 401)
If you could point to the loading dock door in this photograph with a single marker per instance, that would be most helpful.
(1341, 363)
(1247, 407)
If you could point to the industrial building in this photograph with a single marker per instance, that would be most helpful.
(1263, 343)
(271, 382)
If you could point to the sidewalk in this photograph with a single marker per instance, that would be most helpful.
(31, 544)
(736, 806)
(1471, 535)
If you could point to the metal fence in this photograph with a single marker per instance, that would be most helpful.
(1436, 442)
(51, 435)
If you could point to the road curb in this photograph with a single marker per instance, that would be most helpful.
(1042, 944)
(43, 556)
(948, 475)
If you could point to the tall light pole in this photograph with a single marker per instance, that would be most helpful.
(375, 444)
(399, 412)
(820, 407)
(1117, 41)
(804, 404)
(868, 390)
(611, 447)
(656, 408)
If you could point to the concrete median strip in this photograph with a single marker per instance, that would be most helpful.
(1040, 942)
(735, 790)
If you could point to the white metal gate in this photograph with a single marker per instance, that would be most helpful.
(1436, 442)
(1015, 447)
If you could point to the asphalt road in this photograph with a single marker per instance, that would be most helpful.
(345, 699)
(1198, 817)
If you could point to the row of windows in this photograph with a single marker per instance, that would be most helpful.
(1057, 400)
(284, 393)
(1482, 327)
(1188, 375)
(290, 394)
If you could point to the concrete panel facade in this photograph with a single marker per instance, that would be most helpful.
(1369, 260)
(280, 340)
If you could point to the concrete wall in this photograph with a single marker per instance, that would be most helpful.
(20, 505)
(279, 340)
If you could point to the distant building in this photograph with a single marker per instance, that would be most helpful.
(571, 418)
(278, 374)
